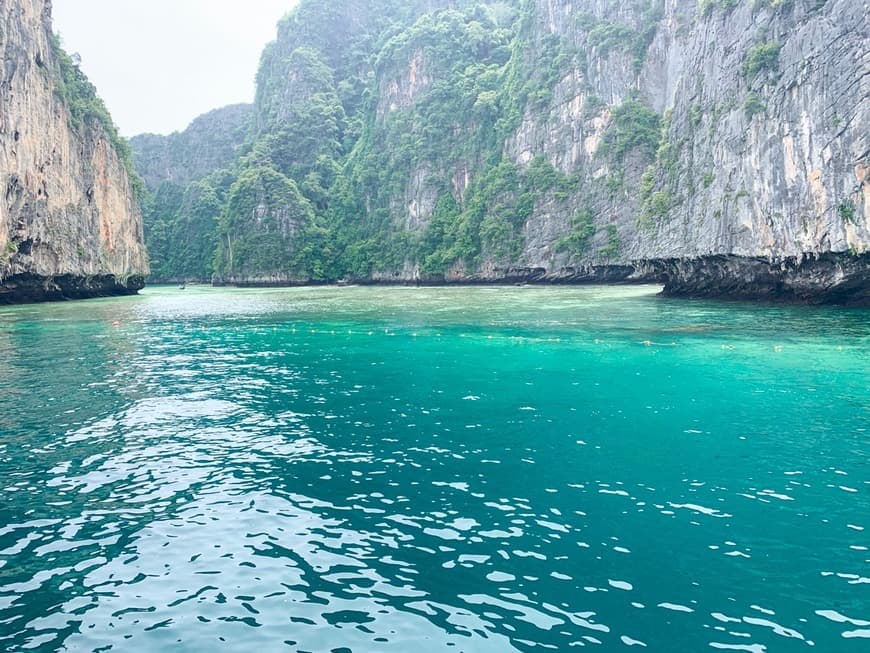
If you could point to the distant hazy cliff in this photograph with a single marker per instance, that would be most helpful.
(186, 174)
(210, 142)
(70, 223)
(720, 147)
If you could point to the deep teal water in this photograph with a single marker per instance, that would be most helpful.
(486, 469)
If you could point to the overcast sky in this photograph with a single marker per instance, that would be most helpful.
(160, 63)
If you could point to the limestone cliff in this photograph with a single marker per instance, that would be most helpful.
(719, 147)
(70, 222)
(752, 178)
(760, 182)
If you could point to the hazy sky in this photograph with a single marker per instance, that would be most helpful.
(160, 63)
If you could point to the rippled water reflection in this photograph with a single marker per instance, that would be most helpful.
(362, 469)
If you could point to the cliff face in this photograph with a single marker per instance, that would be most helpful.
(777, 163)
(686, 133)
(210, 143)
(764, 147)
(70, 224)
(717, 146)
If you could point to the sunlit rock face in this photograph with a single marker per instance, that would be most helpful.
(70, 221)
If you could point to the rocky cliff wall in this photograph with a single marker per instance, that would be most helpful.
(719, 147)
(762, 160)
(188, 175)
(767, 159)
(70, 223)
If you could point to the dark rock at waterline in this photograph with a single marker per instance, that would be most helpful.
(70, 219)
(828, 278)
(32, 288)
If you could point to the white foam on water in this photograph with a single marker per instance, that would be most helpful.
(853, 634)
(750, 648)
(676, 607)
(700, 509)
(621, 585)
(782, 631)
(836, 617)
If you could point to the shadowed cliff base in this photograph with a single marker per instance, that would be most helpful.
(33, 288)
(828, 278)
(818, 279)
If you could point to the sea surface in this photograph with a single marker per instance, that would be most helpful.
(414, 469)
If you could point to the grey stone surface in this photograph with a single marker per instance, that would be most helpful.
(791, 182)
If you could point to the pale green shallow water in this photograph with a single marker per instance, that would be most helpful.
(465, 469)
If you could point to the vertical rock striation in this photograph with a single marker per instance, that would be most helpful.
(718, 147)
(759, 185)
(70, 222)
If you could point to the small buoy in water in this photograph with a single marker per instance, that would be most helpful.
(647, 343)
(116, 323)
(777, 348)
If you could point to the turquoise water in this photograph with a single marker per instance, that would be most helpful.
(463, 469)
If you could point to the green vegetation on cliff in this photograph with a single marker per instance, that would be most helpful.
(379, 143)
(343, 134)
(188, 177)
(76, 91)
(442, 138)
(180, 227)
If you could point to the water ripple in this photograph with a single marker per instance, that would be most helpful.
(370, 470)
